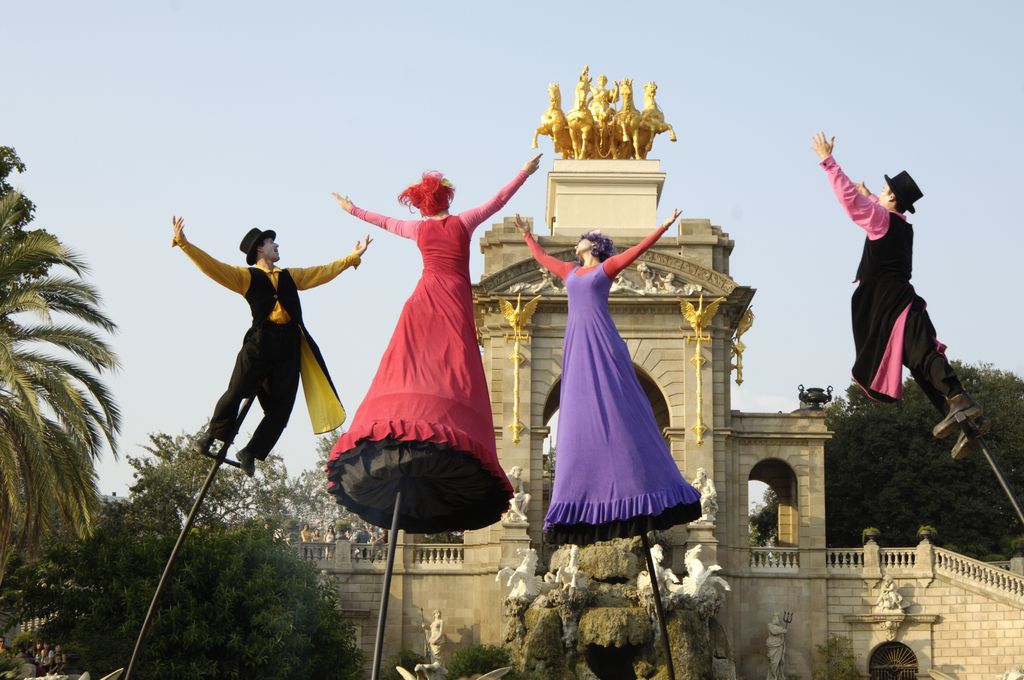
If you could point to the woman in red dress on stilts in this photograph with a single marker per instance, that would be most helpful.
(425, 427)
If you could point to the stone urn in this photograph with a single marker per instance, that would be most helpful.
(815, 397)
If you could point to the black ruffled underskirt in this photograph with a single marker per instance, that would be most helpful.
(442, 489)
(585, 534)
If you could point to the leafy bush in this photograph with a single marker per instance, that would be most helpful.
(478, 659)
(239, 605)
(837, 661)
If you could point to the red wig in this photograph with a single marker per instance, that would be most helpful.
(432, 195)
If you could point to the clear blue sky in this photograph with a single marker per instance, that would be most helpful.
(241, 114)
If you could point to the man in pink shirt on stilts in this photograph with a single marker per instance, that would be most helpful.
(891, 327)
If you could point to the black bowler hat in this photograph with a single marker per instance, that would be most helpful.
(254, 239)
(905, 189)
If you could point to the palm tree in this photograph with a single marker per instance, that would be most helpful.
(56, 414)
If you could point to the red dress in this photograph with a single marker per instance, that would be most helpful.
(425, 426)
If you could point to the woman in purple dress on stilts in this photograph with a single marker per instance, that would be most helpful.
(614, 474)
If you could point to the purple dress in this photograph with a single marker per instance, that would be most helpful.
(614, 474)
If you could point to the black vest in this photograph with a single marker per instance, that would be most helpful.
(261, 296)
(891, 256)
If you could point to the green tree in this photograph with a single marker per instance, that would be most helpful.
(308, 498)
(56, 414)
(24, 208)
(240, 604)
(883, 468)
(168, 478)
(764, 520)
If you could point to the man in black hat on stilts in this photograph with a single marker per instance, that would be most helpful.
(891, 327)
(276, 349)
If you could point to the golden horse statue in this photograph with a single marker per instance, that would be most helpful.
(553, 124)
(652, 121)
(603, 113)
(627, 122)
(581, 121)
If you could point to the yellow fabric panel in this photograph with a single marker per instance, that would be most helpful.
(325, 410)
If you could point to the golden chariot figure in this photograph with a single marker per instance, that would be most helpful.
(594, 129)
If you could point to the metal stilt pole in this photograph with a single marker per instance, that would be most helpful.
(378, 646)
(169, 568)
(971, 431)
(667, 648)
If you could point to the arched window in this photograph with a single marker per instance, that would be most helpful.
(893, 661)
(781, 479)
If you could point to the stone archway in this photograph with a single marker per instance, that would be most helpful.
(782, 480)
(893, 661)
(654, 395)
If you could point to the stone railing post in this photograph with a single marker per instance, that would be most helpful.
(872, 561)
(1017, 565)
(924, 563)
(343, 554)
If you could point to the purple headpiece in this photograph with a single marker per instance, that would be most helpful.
(603, 246)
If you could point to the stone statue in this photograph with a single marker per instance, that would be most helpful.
(777, 646)
(889, 598)
(520, 499)
(647, 276)
(708, 495)
(547, 281)
(621, 283)
(668, 582)
(523, 581)
(436, 639)
(652, 121)
(570, 577)
(554, 124)
(1013, 675)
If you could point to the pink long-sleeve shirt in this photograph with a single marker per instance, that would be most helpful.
(612, 267)
(471, 218)
(865, 211)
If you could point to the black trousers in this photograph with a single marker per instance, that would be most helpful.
(929, 367)
(267, 367)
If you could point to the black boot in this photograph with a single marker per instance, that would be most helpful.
(965, 445)
(246, 461)
(961, 403)
(202, 445)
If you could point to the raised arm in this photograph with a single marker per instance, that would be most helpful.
(231, 277)
(404, 228)
(614, 265)
(554, 265)
(474, 217)
(865, 211)
(311, 277)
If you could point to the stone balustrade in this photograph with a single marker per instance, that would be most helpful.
(850, 559)
(438, 554)
(775, 559)
(980, 574)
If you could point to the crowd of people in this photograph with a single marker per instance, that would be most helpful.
(364, 538)
(37, 659)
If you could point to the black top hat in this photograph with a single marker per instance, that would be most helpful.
(905, 189)
(253, 240)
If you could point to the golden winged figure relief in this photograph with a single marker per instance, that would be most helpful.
(699, 317)
(519, 316)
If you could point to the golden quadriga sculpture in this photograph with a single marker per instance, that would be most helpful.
(594, 129)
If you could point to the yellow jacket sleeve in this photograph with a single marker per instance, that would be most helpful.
(311, 277)
(231, 277)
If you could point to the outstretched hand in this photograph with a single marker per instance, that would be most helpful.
(531, 165)
(343, 201)
(521, 225)
(361, 246)
(821, 146)
(179, 231)
(675, 215)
